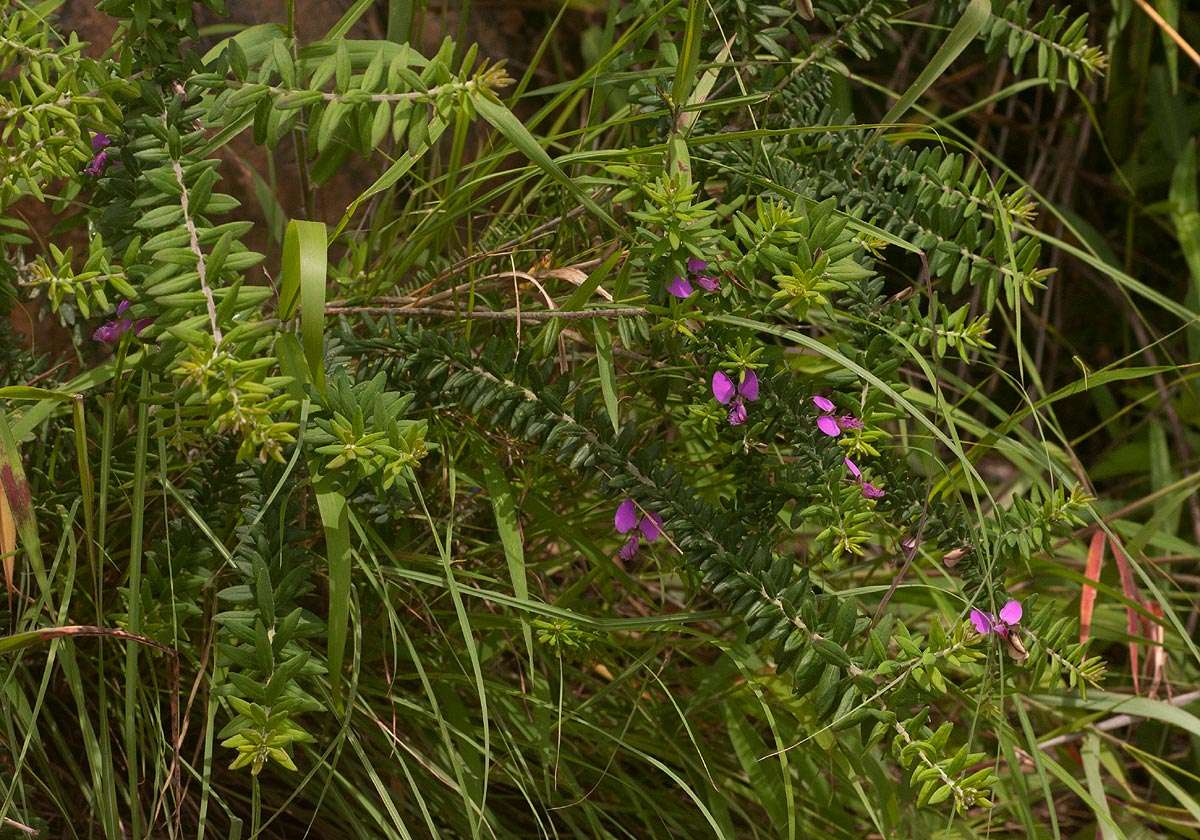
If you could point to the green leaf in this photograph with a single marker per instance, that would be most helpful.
(1090, 754)
(1126, 704)
(505, 508)
(689, 54)
(608, 375)
(1185, 214)
(393, 173)
(336, 523)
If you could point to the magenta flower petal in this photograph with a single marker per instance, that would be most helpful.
(104, 333)
(871, 491)
(122, 306)
(722, 387)
(99, 141)
(630, 548)
(737, 414)
(1011, 613)
(98, 165)
(823, 403)
(853, 468)
(141, 324)
(626, 518)
(709, 284)
(983, 624)
(848, 422)
(828, 425)
(749, 387)
(680, 287)
(695, 265)
(651, 526)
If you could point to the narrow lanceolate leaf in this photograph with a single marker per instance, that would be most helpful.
(8, 542)
(1095, 782)
(30, 638)
(1185, 213)
(508, 525)
(335, 520)
(608, 372)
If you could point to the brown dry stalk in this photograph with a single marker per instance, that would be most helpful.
(1162, 24)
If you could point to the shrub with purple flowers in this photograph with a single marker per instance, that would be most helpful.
(641, 444)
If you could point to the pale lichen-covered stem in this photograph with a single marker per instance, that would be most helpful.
(194, 239)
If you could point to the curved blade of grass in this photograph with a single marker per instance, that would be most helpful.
(513, 130)
(504, 507)
(1090, 756)
(134, 608)
(303, 283)
(608, 372)
(392, 175)
(1185, 214)
(973, 17)
(16, 491)
(1126, 704)
(689, 54)
(464, 622)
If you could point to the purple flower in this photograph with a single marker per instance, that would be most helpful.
(735, 397)
(680, 287)
(985, 623)
(99, 162)
(828, 425)
(982, 622)
(749, 387)
(696, 268)
(722, 387)
(98, 165)
(111, 331)
(737, 414)
(627, 520)
(869, 490)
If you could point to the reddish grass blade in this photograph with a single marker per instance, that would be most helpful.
(1132, 621)
(1087, 598)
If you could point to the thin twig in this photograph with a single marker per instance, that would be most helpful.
(489, 315)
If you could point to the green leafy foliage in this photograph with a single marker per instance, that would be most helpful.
(658, 452)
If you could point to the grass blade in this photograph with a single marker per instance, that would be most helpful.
(973, 17)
